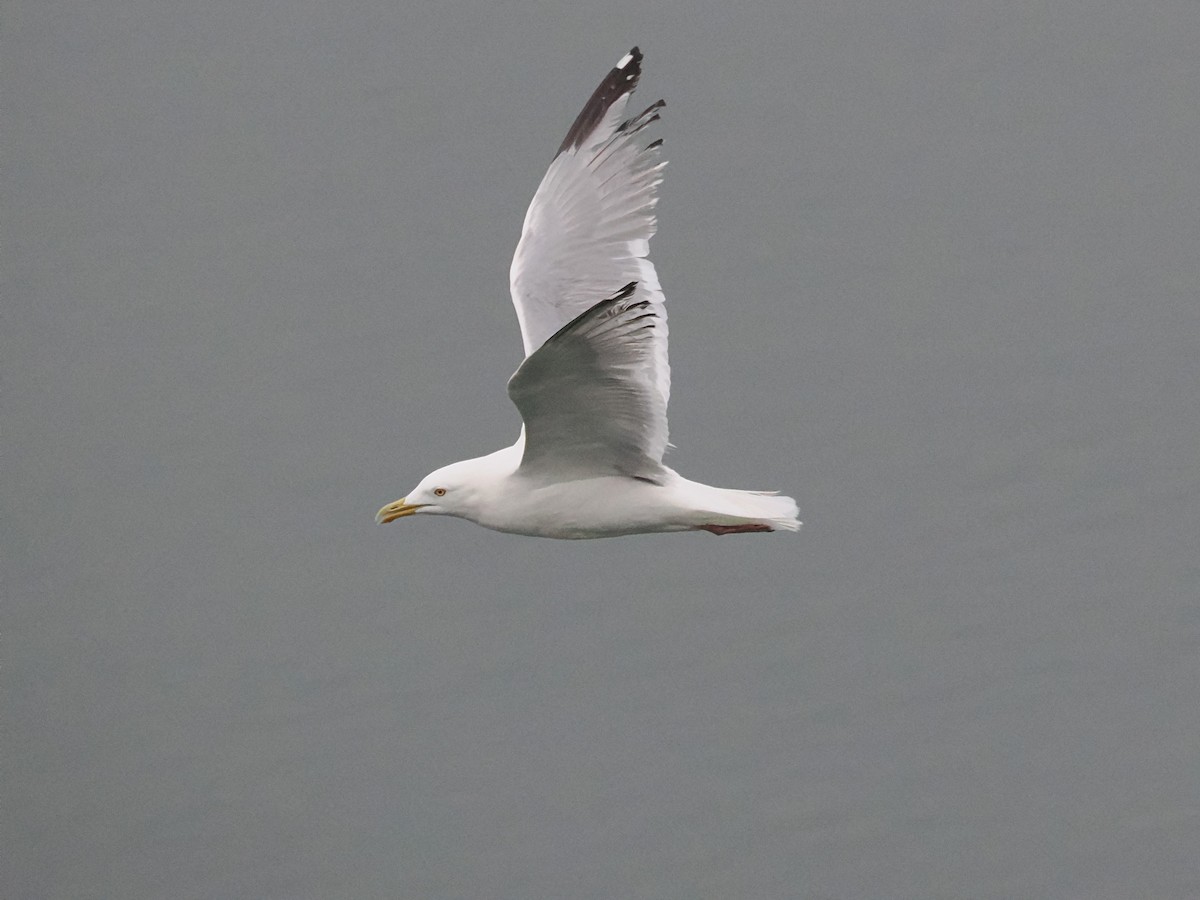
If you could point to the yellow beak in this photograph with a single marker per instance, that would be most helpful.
(397, 510)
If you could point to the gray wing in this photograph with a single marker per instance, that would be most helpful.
(587, 395)
(588, 229)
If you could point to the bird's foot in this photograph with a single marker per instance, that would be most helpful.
(734, 529)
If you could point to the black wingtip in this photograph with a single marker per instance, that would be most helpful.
(623, 294)
(598, 309)
(620, 80)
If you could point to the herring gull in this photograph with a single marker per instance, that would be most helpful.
(592, 390)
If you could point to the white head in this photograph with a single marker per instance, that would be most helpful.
(459, 489)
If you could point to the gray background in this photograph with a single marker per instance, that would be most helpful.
(932, 268)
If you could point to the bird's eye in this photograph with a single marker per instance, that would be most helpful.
(439, 492)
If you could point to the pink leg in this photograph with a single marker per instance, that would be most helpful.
(734, 529)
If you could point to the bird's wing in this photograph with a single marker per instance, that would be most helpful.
(587, 395)
(587, 231)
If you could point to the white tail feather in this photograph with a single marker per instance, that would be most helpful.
(726, 506)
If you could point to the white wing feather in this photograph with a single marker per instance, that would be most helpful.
(587, 405)
(588, 229)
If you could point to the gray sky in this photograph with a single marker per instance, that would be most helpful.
(931, 269)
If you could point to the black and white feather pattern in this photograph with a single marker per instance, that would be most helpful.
(588, 230)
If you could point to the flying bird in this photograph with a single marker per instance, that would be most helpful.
(592, 390)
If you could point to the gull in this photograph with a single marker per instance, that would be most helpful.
(592, 390)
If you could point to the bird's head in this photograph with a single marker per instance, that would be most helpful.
(452, 490)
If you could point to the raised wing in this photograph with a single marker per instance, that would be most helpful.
(588, 229)
(587, 395)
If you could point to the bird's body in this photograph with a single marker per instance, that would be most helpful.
(593, 388)
(503, 498)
